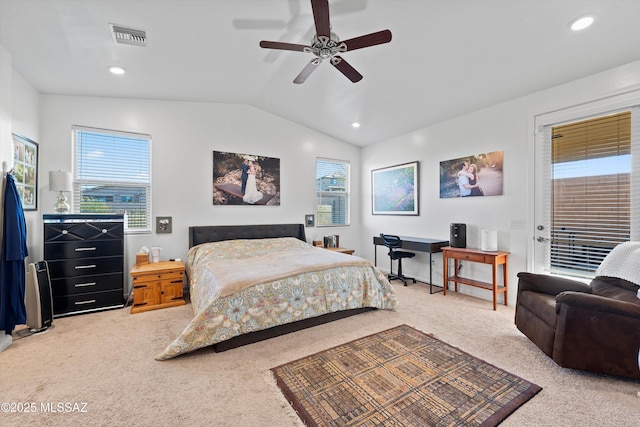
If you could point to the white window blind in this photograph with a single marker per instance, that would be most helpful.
(112, 174)
(592, 203)
(332, 189)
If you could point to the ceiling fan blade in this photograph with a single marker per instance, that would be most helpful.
(321, 17)
(372, 39)
(306, 71)
(283, 46)
(346, 69)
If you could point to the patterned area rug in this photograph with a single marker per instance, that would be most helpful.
(402, 377)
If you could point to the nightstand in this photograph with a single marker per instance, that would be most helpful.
(157, 285)
(342, 250)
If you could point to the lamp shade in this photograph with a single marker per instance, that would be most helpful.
(60, 181)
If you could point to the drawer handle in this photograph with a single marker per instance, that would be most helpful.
(80, 285)
(82, 267)
(91, 301)
(84, 249)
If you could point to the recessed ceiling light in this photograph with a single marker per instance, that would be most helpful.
(355, 125)
(116, 70)
(581, 23)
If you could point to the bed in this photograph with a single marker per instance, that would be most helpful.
(251, 283)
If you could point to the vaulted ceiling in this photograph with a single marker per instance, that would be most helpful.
(446, 58)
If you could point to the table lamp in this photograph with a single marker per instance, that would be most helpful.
(62, 182)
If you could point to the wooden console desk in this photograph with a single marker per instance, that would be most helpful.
(476, 255)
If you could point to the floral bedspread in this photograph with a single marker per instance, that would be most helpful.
(273, 303)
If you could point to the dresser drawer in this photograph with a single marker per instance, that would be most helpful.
(164, 277)
(72, 231)
(89, 301)
(83, 249)
(84, 284)
(85, 266)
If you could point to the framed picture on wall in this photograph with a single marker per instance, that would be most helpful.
(475, 175)
(25, 171)
(395, 190)
(245, 179)
(163, 225)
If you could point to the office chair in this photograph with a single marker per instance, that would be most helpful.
(393, 242)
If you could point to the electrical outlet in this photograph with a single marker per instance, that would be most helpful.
(518, 224)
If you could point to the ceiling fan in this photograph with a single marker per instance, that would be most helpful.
(326, 45)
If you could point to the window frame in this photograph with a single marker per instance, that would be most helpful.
(323, 193)
(78, 183)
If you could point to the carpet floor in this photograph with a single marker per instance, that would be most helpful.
(400, 376)
(106, 360)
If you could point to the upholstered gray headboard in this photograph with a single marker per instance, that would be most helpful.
(216, 233)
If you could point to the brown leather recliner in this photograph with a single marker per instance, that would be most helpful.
(592, 327)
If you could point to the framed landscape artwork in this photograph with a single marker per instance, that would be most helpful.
(395, 190)
(476, 175)
(245, 179)
(25, 171)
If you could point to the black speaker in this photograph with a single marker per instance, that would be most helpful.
(458, 235)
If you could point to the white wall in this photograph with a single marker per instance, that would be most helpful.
(184, 136)
(507, 127)
(19, 113)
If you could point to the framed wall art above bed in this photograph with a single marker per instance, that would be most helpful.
(245, 179)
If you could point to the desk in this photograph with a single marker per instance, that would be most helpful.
(495, 258)
(420, 244)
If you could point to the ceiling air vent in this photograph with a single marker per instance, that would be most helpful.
(124, 35)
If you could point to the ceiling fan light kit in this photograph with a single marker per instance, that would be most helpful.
(326, 45)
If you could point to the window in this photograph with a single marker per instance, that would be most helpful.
(591, 192)
(112, 174)
(332, 189)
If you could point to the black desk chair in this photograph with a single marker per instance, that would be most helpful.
(393, 242)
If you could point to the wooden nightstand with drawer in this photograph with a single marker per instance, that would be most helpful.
(157, 285)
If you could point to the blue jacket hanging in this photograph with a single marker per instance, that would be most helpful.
(14, 252)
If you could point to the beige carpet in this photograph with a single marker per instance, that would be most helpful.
(106, 361)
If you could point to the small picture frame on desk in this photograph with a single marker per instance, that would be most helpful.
(163, 225)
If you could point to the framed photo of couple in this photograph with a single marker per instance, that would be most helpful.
(245, 179)
(475, 175)
(395, 190)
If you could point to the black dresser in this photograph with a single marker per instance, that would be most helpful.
(85, 253)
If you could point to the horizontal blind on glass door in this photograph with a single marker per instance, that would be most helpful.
(591, 186)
